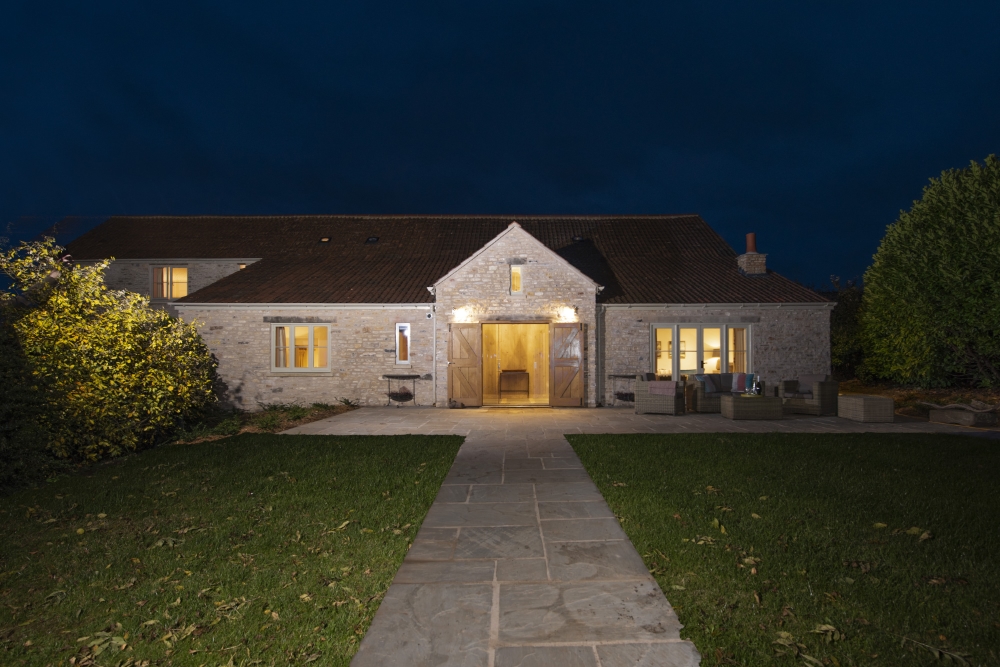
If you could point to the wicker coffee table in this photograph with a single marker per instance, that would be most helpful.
(751, 407)
(865, 408)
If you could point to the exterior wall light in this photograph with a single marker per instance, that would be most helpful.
(568, 314)
(461, 315)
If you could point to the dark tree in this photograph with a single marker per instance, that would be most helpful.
(846, 351)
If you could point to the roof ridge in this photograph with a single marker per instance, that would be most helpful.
(426, 216)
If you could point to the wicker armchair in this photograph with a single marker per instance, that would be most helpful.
(820, 398)
(646, 403)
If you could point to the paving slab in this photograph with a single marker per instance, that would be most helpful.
(520, 562)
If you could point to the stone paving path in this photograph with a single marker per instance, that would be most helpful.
(520, 561)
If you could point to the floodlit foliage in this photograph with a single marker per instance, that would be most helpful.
(931, 308)
(115, 374)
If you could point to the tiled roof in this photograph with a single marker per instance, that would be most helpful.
(638, 259)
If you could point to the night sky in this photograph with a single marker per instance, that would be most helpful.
(811, 126)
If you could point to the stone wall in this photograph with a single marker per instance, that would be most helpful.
(552, 292)
(785, 341)
(362, 349)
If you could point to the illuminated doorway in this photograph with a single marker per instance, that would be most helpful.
(515, 364)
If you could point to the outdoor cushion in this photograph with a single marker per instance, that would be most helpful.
(710, 387)
(663, 388)
(739, 382)
(726, 382)
(650, 377)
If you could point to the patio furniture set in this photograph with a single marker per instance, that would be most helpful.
(726, 393)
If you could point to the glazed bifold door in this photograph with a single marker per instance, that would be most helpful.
(465, 370)
(567, 364)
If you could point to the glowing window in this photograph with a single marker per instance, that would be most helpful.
(170, 282)
(300, 347)
(516, 284)
(402, 343)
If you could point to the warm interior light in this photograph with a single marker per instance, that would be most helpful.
(515, 279)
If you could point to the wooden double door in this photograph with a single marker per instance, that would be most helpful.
(515, 363)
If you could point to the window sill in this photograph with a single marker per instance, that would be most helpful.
(294, 374)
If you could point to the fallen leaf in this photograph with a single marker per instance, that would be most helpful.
(926, 535)
(914, 531)
(754, 515)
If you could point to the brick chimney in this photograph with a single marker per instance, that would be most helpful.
(752, 263)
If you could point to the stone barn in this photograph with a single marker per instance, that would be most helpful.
(465, 310)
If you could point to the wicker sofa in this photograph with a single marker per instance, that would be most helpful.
(810, 395)
(646, 403)
(711, 401)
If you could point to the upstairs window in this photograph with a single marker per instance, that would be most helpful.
(516, 283)
(301, 347)
(170, 282)
(402, 343)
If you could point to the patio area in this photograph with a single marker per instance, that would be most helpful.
(549, 423)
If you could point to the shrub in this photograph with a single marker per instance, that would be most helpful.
(931, 306)
(846, 350)
(114, 374)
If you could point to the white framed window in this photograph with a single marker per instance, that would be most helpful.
(403, 343)
(691, 349)
(170, 282)
(516, 279)
(300, 347)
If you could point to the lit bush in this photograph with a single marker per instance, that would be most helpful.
(115, 374)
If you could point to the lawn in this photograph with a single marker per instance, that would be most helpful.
(828, 549)
(256, 549)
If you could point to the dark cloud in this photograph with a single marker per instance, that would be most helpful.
(812, 126)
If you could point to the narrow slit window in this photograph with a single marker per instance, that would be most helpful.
(301, 347)
(516, 283)
(402, 343)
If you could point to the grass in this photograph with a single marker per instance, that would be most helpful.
(255, 549)
(849, 549)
